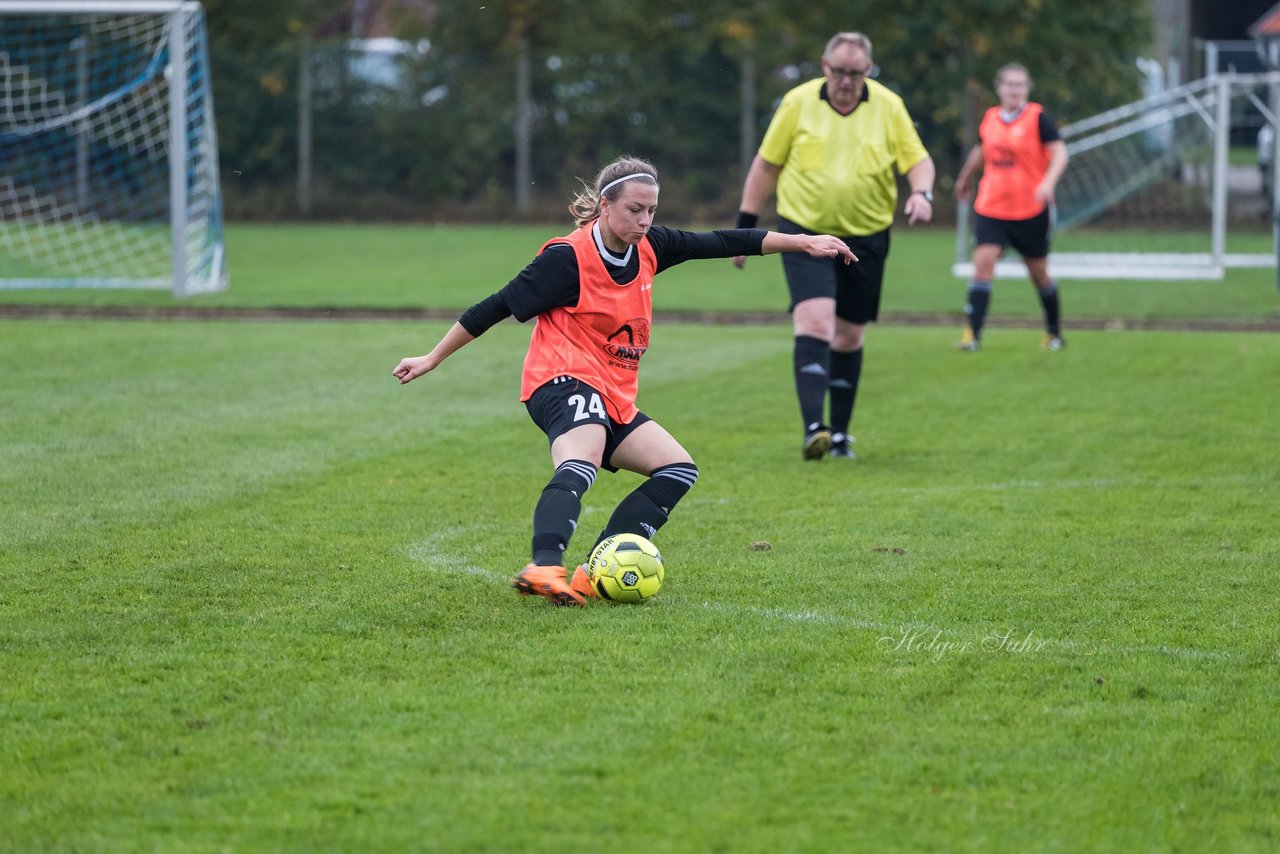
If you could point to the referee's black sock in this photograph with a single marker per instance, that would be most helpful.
(976, 307)
(846, 368)
(1052, 309)
(556, 515)
(812, 367)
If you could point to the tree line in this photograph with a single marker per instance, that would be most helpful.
(491, 109)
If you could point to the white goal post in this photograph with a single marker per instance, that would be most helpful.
(1150, 183)
(108, 147)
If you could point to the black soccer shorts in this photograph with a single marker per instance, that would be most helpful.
(1030, 237)
(856, 287)
(564, 403)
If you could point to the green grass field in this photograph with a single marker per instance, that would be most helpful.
(381, 266)
(253, 592)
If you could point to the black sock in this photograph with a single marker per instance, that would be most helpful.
(976, 308)
(846, 369)
(556, 515)
(1052, 309)
(812, 366)
(646, 509)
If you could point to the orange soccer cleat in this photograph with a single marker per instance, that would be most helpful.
(581, 583)
(548, 581)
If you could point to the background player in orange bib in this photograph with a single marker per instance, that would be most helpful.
(591, 295)
(1022, 158)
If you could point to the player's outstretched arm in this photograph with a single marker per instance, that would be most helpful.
(412, 367)
(817, 245)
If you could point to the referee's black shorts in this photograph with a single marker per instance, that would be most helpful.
(855, 287)
(1029, 236)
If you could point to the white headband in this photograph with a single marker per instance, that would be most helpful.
(611, 184)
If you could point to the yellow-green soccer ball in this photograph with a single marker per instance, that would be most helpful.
(626, 568)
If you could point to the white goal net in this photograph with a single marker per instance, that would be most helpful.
(108, 151)
(1155, 189)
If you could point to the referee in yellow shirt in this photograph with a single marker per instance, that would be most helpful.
(832, 152)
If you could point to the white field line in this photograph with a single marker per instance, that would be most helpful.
(914, 637)
(430, 553)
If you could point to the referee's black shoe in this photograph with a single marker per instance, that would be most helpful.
(817, 441)
(840, 443)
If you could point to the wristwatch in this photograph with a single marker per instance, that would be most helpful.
(928, 196)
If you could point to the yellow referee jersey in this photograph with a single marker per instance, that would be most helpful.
(838, 171)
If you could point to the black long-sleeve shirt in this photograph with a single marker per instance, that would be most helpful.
(551, 279)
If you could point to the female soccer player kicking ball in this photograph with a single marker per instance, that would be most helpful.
(591, 294)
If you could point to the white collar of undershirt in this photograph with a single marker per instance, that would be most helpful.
(1011, 117)
(605, 253)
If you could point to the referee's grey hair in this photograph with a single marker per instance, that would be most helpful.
(856, 39)
(586, 204)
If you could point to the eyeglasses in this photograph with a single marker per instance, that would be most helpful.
(851, 73)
